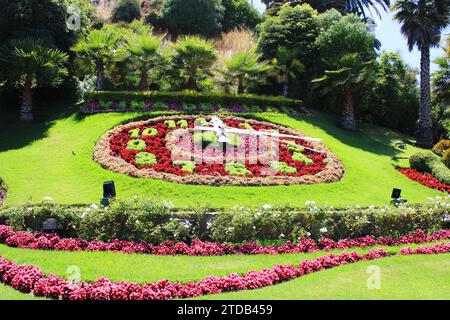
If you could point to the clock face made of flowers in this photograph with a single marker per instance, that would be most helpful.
(217, 150)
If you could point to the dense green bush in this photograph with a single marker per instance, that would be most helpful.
(427, 162)
(126, 10)
(201, 17)
(193, 98)
(147, 220)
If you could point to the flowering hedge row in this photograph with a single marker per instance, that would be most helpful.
(123, 101)
(425, 179)
(153, 221)
(30, 279)
(118, 149)
(44, 241)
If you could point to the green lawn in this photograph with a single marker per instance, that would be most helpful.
(54, 159)
(430, 273)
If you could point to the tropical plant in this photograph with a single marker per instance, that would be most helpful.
(193, 58)
(243, 69)
(287, 67)
(347, 49)
(347, 73)
(422, 23)
(239, 14)
(96, 51)
(193, 17)
(28, 63)
(360, 6)
(126, 10)
(142, 53)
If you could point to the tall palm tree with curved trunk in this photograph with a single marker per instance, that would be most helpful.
(142, 52)
(96, 51)
(28, 63)
(422, 23)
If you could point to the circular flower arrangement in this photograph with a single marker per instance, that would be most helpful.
(172, 148)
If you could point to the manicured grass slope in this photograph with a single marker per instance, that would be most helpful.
(402, 278)
(54, 159)
(425, 272)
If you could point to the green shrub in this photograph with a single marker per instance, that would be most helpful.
(150, 132)
(440, 147)
(188, 166)
(134, 133)
(184, 97)
(136, 144)
(171, 124)
(105, 105)
(237, 169)
(126, 10)
(148, 220)
(145, 159)
(297, 156)
(446, 158)
(282, 167)
(182, 124)
(426, 162)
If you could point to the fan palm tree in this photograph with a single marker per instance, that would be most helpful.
(287, 67)
(348, 72)
(360, 6)
(242, 69)
(96, 51)
(28, 63)
(422, 23)
(194, 58)
(142, 51)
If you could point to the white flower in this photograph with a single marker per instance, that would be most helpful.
(47, 199)
(94, 207)
(323, 230)
(84, 214)
(30, 209)
(310, 203)
(308, 234)
(258, 214)
(282, 235)
(168, 204)
(267, 207)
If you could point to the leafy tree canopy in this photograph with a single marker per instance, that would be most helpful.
(201, 17)
(239, 14)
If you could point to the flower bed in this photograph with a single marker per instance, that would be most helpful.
(132, 101)
(30, 279)
(43, 241)
(145, 149)
(425, 179)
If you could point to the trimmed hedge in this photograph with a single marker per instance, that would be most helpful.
(427, 162)
(146, 220)
(191, 97)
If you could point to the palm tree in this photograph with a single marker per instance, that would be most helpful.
(422, 23)
(359, 6)
(28, 63)
(242, 69)
(96, 51)
(349, 72)
(193, 57)
(142, 51)
(287, 67)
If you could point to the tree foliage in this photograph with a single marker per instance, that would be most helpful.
(126, 10)
(27, 63)
(239, 14)
(188, 17)
(242, 70)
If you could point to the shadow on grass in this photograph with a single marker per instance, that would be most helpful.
(377, 140)
(16, 135)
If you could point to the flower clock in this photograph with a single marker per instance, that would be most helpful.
(217, 150)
